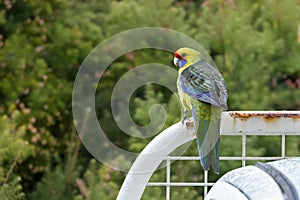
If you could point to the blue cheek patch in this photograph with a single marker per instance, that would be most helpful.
(181, 63)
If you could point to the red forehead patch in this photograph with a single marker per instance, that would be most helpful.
(177, 55)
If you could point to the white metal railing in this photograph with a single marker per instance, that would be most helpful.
(263, 123)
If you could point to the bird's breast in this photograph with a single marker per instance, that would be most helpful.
(185, 99)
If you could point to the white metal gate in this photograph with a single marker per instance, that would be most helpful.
(234, 123)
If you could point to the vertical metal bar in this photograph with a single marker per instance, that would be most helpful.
(168, 179)
(243, 150)
(205, 183)
(283, 145)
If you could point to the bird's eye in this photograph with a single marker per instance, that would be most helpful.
(183, 54)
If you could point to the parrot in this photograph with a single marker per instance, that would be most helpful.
(202, 93)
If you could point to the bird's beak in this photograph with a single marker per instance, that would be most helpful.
(176, 60)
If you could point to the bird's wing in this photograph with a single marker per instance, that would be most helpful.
(205, 83)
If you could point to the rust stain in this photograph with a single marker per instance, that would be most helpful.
(266, 116)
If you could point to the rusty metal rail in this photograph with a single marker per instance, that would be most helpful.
(261, 122)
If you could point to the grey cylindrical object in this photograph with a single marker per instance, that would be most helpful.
(290, 168)
(278, 180)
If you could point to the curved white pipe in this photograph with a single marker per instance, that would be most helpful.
(150, 158)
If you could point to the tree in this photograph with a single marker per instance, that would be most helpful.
(13, 150)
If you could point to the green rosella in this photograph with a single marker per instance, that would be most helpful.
(202, 91)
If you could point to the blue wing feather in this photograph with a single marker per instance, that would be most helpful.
(205, 83)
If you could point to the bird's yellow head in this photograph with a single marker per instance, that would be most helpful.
(184, 57)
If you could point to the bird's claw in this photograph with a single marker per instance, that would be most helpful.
(186, 121)
(185, 117)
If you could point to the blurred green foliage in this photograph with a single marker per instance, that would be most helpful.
(43, 43)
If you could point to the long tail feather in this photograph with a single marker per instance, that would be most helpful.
(208, 141)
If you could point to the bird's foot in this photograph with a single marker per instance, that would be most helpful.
(184, 118)
(189, 123)
(186, 121)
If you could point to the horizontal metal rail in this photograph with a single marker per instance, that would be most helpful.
(229, 158)
(179, 184)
